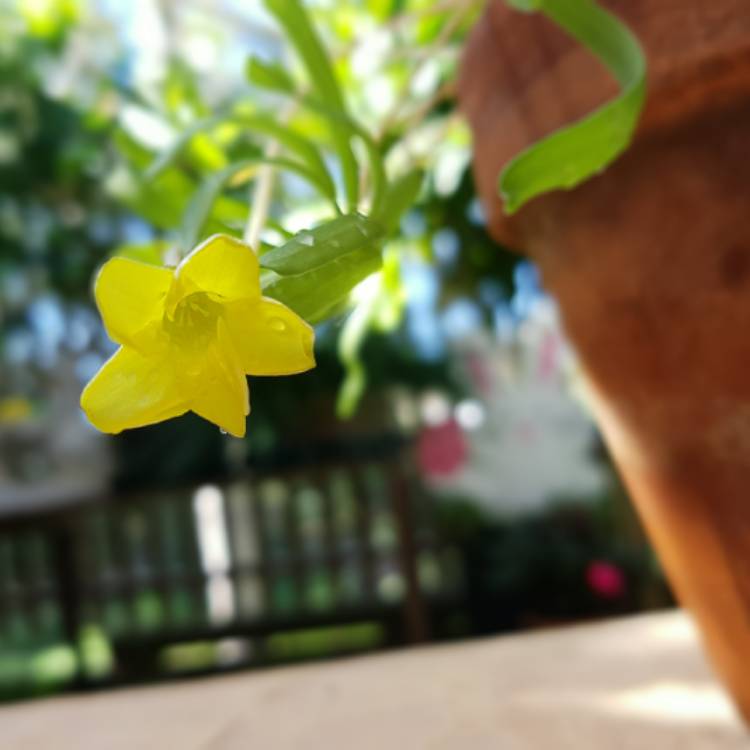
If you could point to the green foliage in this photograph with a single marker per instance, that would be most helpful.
(339, 121)
(311, 165)
(198, 211)
(316, 294)
(292, 16)
(269, 76)
(577, 152)
(305, 123)
(379, 308)
(161, 201)
(50, 164)
(399, 197)
(315, 270)
(309, 250)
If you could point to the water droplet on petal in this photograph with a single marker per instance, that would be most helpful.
(277, 324)
(223, 431)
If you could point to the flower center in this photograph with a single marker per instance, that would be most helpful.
(193, 322)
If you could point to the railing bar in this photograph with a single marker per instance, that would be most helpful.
(363, 512)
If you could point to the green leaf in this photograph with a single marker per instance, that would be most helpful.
(268, 75)
(350, 344)
(316, 293)
(201, 204)
(167, 157)
(313, 248)
(291, 140)
(575, 153)
(527, 6)
(199, 209)
(354, 130)
(292, 16)
(377, 166)
(161, 202)
(295, 143)
(380, 307)
(355, 380)
(399, 197)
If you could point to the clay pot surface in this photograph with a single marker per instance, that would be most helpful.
(650, 263)
(522, 77)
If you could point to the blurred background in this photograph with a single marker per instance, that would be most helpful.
(466, 493)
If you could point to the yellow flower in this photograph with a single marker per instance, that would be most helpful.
(187, 338)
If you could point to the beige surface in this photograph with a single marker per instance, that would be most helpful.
(637, 683)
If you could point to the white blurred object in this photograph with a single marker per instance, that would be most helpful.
(213, 545)
(470, 414)
(529, 438)
(435, 408)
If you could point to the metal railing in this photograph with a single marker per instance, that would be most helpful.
(272, 551)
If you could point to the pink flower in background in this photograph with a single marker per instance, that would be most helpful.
(442, 449)
(605, 579)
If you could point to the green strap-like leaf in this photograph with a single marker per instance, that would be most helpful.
(315, 294)
(293, 18)
(350, 345)
(348, 125)
(170, 154)
(291, 140)
(297, 144)
(199, 209)
(268, 75)
(575, 153)
(313, 248)
(398, 198)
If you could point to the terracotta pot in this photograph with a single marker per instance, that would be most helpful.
(650, 263)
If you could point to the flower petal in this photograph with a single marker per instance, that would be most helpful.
(131, 298)
(219, 392)
(222, 266)
(132, 390)
(270, 338)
